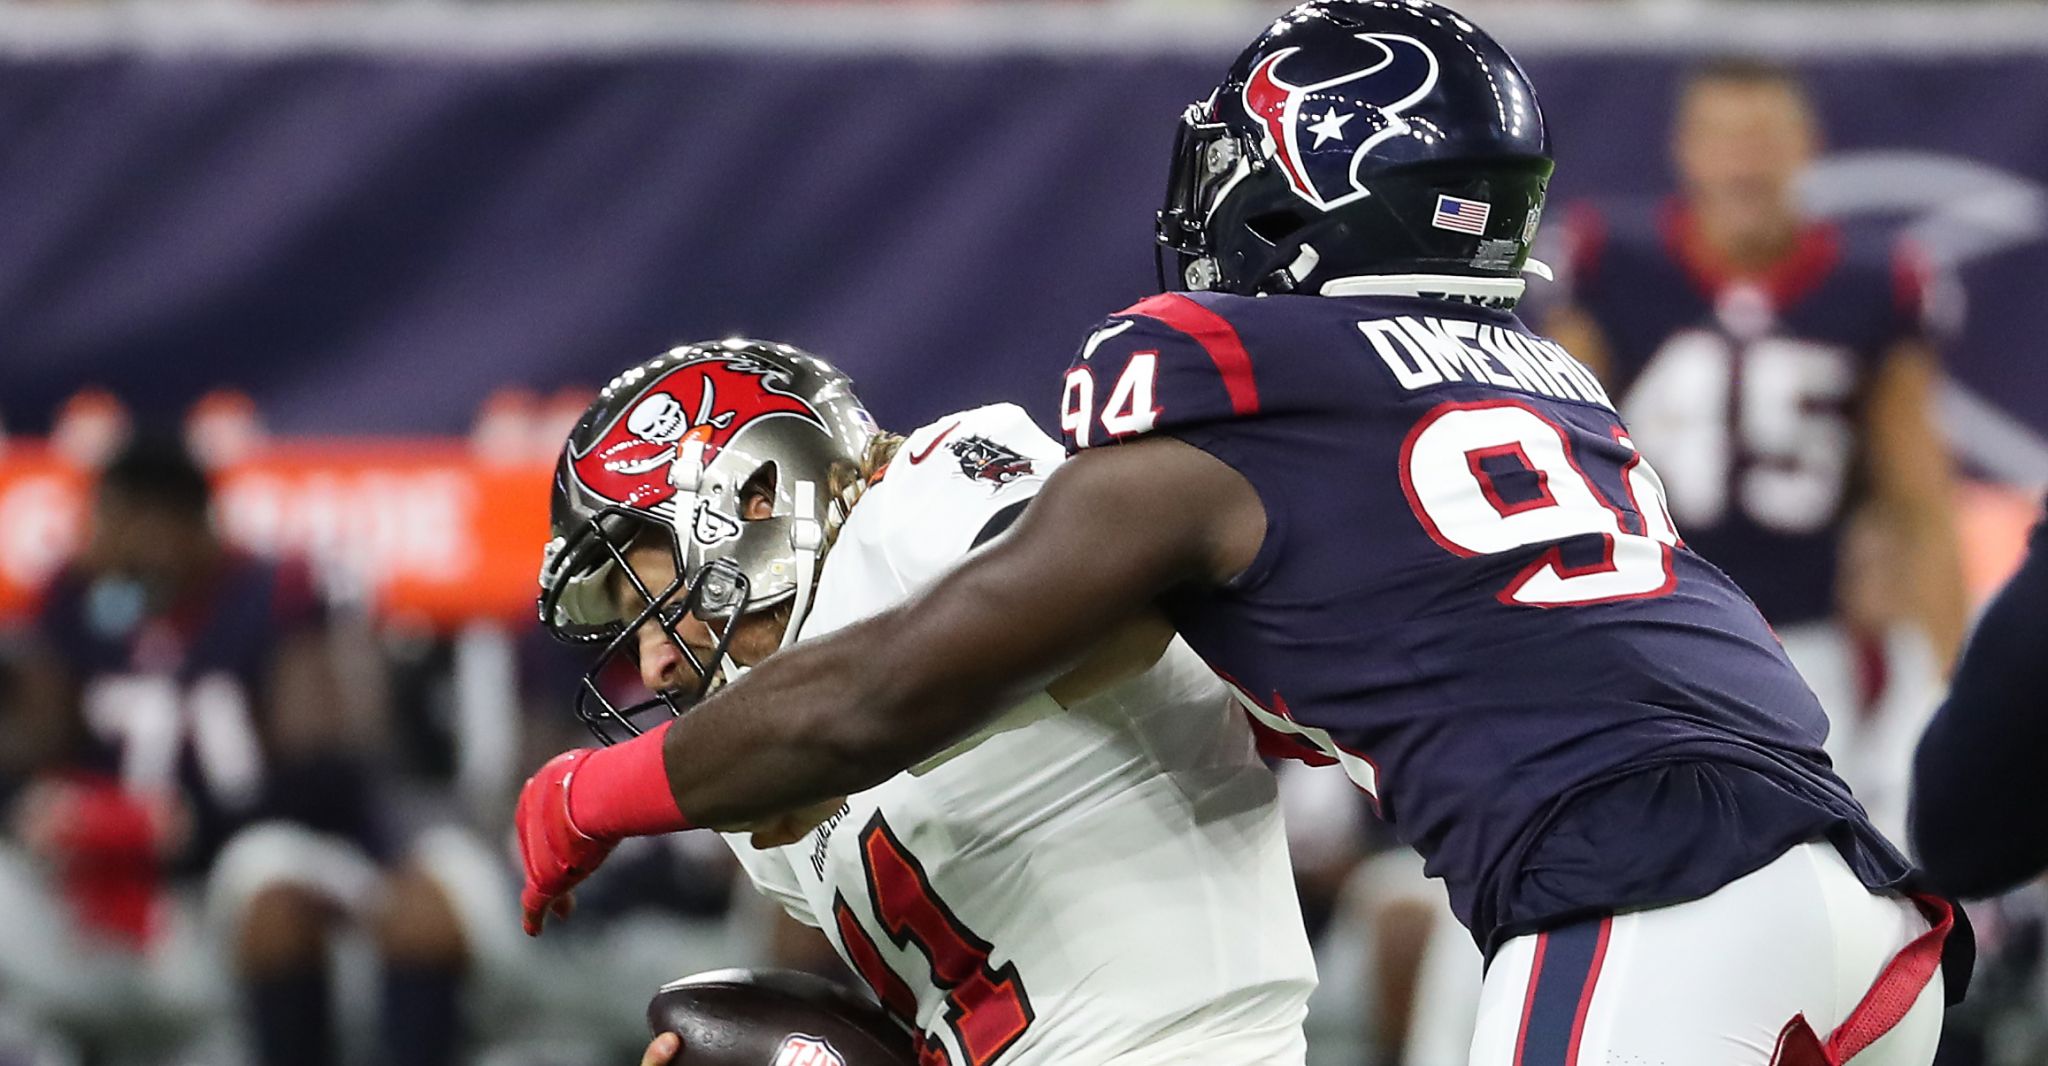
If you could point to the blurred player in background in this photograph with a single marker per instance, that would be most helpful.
(1780, 372)
(195, 732)
(578, 996)
(1099, 876)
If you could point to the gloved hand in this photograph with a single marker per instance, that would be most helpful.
(557, 854)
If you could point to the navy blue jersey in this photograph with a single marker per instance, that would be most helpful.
(1470, 595)
(1747, 392)
(1977, 820)
(174, 700)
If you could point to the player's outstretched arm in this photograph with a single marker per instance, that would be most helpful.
(770, 753)
(1111, 530)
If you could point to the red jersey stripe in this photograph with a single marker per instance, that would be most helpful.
(1216, 336)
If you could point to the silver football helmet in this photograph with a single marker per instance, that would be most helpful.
(671, 448)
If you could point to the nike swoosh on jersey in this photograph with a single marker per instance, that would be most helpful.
(1103, 335)
(921, 456)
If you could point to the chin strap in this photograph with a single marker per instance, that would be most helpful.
(686, 472)
(807, 542)
(686, 476)
(807, 539)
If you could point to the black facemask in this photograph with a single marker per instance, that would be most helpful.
(716, 594)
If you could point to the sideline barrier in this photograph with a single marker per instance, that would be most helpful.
(425, 532)
(428, 533)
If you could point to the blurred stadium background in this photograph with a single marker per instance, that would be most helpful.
(369, 260)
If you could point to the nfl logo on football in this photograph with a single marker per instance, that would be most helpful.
(797, 1050)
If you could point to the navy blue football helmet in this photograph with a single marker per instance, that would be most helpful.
(1358, 139)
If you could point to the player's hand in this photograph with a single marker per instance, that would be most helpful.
(662, 1050)
(785, 829)
(557, 855)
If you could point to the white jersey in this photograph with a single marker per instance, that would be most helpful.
(1107, 883)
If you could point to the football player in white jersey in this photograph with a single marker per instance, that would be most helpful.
(1104, 885)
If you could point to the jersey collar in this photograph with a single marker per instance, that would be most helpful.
(1794, 276)
(1486, 292)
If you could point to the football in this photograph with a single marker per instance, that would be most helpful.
(775, 1018)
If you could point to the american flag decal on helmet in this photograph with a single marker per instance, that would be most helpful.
(1462, 216)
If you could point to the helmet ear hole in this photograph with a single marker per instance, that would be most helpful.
(757, 493)
(1273, 227)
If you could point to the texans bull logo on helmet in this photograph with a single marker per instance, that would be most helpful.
(707, 401)
(1344, 110)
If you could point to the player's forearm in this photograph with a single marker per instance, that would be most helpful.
(1915, 487)
(844, 712)
(827, 718)
(815, 723)
(1941, 598)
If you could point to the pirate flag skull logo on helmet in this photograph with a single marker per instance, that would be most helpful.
(629, 462)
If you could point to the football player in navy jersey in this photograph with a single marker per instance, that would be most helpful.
(199, 812)
(1422, 546)
(1978, 822)
(1780, 372)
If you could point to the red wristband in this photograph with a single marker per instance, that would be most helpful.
(622, 791)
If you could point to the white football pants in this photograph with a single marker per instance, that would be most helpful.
(1716, 981)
